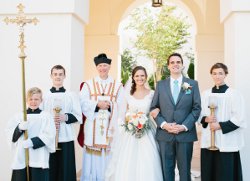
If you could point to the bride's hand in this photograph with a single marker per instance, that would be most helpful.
(155, 112)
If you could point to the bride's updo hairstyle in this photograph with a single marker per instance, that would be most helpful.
(133, 87)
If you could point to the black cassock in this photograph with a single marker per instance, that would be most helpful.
(62, 162)
(35, 174)
(216, 165)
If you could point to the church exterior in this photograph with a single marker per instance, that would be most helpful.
(72, 32)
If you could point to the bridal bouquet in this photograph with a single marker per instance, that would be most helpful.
(137, 124)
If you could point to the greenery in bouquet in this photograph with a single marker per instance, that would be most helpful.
(137, 124)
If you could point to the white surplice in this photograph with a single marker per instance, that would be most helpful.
(40, 125)
(135, 159)
(230, 106)
(69, 103)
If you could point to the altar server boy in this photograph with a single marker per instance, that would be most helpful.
(62, 162)
(40, 143)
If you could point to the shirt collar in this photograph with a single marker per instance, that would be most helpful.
(179, 79)
(221, 89)
(61, 89)
(109, 79)
(35, 111)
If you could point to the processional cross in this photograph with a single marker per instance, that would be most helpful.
(21, 21)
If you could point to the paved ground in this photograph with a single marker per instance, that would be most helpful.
(196, 154)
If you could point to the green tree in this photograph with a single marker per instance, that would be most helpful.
(127, 64)
(190, 70)
(159, 34)
(151, 82)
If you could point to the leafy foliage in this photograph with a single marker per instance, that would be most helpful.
(128, 62)
(124, 76)
(151, 82)
(159, 34)
(165, 72)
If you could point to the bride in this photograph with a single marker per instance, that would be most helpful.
(136, 159)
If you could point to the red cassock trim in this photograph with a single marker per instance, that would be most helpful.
(80, 137)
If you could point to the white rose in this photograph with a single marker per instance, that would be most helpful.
(130, 127)
(186, 85)
(142, 121)
(135, 122)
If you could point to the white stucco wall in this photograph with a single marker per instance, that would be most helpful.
(57, 39)
(235, 16)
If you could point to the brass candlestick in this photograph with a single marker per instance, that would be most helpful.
(57, 111)
(212, 113)
(21, 21)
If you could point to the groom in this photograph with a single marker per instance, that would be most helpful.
(178, 99)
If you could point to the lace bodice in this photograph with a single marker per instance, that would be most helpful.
(140, 105)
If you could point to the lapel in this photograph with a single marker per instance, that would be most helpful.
(182, 92)
(168, 87)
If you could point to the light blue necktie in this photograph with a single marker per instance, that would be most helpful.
(175, 90)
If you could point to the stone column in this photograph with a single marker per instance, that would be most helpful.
(235, 14)
(209, 50)
(57, 39)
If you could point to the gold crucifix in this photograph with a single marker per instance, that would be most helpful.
(21, 21)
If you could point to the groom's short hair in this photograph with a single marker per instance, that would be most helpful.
(175, 54)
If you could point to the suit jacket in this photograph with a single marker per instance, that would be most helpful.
(186, 111)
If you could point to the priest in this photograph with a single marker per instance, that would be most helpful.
(101, 99)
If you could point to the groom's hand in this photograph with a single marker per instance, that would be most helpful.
(170, 127)
(173, 128)
(179, 128)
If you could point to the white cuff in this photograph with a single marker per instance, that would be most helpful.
(27, 143)
(66, 117)
(23, 125)
(162, 124)
(185, 127)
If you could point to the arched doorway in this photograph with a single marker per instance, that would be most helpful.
(101, 33)
(127, 34)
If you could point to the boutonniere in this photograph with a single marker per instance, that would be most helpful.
(187, 88)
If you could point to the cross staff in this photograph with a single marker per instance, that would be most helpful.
(21, 21)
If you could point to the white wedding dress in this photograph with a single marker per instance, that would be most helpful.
(135, 159)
